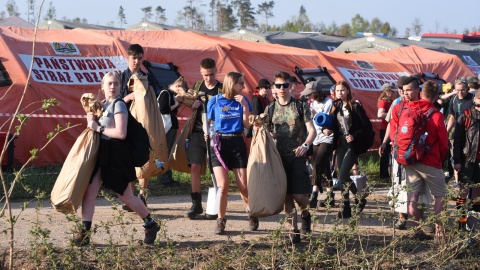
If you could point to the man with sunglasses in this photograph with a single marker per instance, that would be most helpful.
(294, 133)
(466, 156)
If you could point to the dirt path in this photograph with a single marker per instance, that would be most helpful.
(171, 210)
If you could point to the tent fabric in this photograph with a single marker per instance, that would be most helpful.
(69, 63)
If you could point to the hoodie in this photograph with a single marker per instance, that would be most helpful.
(437, 137)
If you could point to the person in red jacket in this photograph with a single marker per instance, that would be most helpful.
(428, 171)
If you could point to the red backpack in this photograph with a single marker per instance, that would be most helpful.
(409, 145)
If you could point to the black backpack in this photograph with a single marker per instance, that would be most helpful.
(137, 140)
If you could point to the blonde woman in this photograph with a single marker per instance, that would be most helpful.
(114, 168)
(229, 113)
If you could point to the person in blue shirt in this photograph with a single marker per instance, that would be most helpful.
(229, 113)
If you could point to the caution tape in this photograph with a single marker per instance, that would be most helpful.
(41, 115)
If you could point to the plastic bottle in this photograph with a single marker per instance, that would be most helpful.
(422, 139)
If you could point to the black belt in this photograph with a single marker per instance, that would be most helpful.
(230, 134)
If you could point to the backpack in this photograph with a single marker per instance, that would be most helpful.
(368, 137)
(409, 145)
(136, 139)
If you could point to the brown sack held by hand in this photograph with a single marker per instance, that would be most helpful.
(266, 179)
(145, 109)
(178, 157)
(91, 104)
(72, 182)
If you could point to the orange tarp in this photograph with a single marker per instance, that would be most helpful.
(69, 63)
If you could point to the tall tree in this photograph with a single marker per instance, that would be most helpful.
(31, 11)
(345, 30)
(245, 12)
(303, 22)
(228, 20)
(417, 26)
(359, 24)
(2, 14)
(266, 10)
(375, 25)
(147, 13)
(51, 12)
(407, 33)
(122, 19)
(212, 5)
(332, 29)
(386, 29)
(160, 15)
(12, 8)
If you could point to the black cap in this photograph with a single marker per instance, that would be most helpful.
(263, 83)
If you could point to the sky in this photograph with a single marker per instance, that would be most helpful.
(434, 15)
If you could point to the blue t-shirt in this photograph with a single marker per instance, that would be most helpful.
(226, 114)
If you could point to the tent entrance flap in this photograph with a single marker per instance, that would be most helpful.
(320, 74)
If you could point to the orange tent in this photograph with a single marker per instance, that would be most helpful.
(69, 63)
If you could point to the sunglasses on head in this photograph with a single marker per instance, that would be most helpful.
(279, 85)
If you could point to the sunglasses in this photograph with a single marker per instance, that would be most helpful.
(279, 85)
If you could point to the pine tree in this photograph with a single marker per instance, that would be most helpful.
(265, 9)
(121, 16)
(147, 13)
(245, 12)
(160, 17)
(31, 11)
(12, 8)
(51, 12)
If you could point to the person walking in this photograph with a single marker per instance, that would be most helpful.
(228, 113)
(114, 169)
(384, 103)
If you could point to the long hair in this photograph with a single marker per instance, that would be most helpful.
(349, 96)
(229, 82)
(383, 95)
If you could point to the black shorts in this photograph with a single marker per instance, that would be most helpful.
(197, 148)
(470, 173)
(298, 178)
(233, 152)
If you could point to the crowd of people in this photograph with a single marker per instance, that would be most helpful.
(332, 147)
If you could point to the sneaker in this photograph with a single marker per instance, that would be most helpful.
(220, 226)
(81, 238)
(151, 229)
(295, 236)
(253, 223)
(401, 224)
(306, 225)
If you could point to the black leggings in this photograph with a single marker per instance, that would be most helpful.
(322, 173)
(346, 158)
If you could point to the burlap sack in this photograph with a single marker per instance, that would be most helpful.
(178, 157)
(72, 182)
(145, 109)
(186, 98)
(91, 104)
(266, 179)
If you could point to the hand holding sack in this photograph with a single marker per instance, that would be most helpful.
(178, 157)
(73, 179)
(145, 109)
(266, 179)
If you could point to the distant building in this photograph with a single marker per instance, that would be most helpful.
(16, 22)
(56, 24)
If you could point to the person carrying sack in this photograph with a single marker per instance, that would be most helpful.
(114, 168)
(229, 113)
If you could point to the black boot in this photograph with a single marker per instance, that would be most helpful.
(329, 200)
(346, 211)
(196, 208)
(313, 199)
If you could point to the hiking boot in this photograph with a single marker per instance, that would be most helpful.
(329, 201)
(361, 204)
(81, 238)
(253, 223)
(151, 229)
(401, 224)
(306, 225)
(346, 212)
(220, 226)
(196, 208)
(313, 200)
(295, 236)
